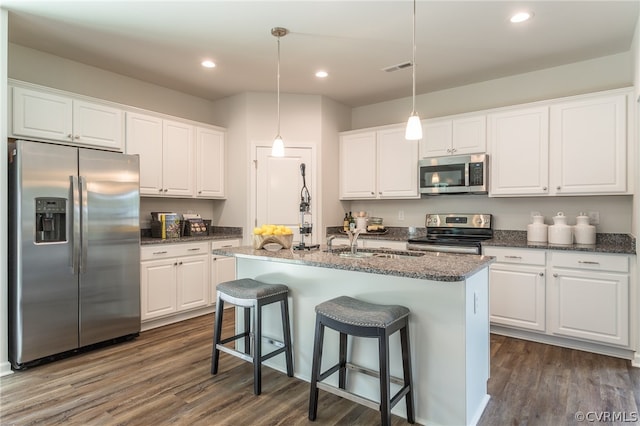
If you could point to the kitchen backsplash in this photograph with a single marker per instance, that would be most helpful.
(508, 213)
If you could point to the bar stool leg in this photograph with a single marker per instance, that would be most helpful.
(315, 369)
(406, 367)
(286, 333)
(385, 380)
(247, 330)
(217, 336)
(257, 349)
(342, 374)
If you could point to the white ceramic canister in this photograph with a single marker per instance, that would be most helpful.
(560, 232)
(537, 231)
(361, 223)
(583, 232)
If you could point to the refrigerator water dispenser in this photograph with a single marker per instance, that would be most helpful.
(51, 220)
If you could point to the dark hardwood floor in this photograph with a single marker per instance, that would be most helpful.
(162, 378)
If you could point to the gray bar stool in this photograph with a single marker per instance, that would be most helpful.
(248, 293)
(354, 317)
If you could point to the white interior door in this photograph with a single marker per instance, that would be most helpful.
(278, 186)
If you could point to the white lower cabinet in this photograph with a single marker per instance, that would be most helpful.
(589, 297)
(517, 288)
(173, 278)
(585, 297)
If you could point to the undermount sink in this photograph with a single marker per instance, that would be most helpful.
(369, 253)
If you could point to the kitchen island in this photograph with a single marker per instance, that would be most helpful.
(449, 323)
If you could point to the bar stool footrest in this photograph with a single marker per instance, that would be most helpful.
(348, 395)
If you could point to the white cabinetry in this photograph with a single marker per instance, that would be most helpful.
(519, 148)
(589, 297)
(576, 146)
(378, 164)
(210, 170)
(454, 135)
(174, 278)
(51, 116)
(588, 146)
(517, 288)
(223, 268)
(166, 150)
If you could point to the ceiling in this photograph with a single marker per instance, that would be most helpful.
(458, 42)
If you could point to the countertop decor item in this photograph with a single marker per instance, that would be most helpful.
(560, 232)
(583, 232)
(538, 230)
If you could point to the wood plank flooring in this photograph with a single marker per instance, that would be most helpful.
(162, 378)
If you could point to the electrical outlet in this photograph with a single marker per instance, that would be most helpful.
(400, 214)
(594, 218)
(534, 214)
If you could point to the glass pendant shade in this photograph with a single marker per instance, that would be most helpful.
(414, 128)
(277, 149)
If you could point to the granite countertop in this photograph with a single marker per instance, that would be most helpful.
(605, 243)
(218, 233)
(430, 266)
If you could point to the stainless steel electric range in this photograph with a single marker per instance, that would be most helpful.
(454, 233)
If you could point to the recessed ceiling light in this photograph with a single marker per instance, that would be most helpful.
(208, 64)
(322, 74)
(521, 17)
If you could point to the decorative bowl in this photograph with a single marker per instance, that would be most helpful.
(259, 241)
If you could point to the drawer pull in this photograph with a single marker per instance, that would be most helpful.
(194, 249)
(160, 252)
(513, 257)
(228, 245)
(588, 262)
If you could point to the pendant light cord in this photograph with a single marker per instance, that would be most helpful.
(278, 87)
(413, 60)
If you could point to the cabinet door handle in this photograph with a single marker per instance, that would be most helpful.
(76, 137)
(541, 274)
(555, 275)
(448, 150)
(160, 252)
(588, 262)
(194, 249)
(558, 188)
(175, 263)
(513, 257)
(69, 136)
(454, 150)
(179, 263)
(160, 190)
(544, 188)
(165, 190)
(372, 193)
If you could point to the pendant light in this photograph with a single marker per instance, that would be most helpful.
(277, 149)
(414, 127)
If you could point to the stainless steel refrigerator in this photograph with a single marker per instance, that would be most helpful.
(74, 254)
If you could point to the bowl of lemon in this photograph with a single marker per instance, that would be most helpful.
(269, 236)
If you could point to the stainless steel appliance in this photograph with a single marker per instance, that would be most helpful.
(458, 174)
(74, 254)
(454, 233)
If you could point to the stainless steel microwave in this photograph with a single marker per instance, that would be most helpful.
(460, 174)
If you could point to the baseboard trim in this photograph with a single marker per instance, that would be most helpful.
(171, 319)
(5, 369)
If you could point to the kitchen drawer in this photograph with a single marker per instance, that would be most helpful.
(590, 261)
(163, 251)
(225, 244)
(516, 256)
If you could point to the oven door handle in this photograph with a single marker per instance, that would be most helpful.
(444, 248)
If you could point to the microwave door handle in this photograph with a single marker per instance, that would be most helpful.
(467, 168)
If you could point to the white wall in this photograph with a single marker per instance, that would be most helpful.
(48, 70)
(608, 72)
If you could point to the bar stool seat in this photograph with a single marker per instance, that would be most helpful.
(355, 317)
(247, 294)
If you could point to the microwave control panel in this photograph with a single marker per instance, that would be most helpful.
(476, 174)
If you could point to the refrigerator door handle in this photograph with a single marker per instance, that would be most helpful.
(84, 221)
(75, 220)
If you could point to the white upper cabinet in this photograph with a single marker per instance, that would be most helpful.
(454, 136)
(49, 116)
(519, 149)
(588, 146)
(377, 164)
(166, 150)
(210, 170)
(576, 146)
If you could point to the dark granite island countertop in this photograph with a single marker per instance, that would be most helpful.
(430, 266)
